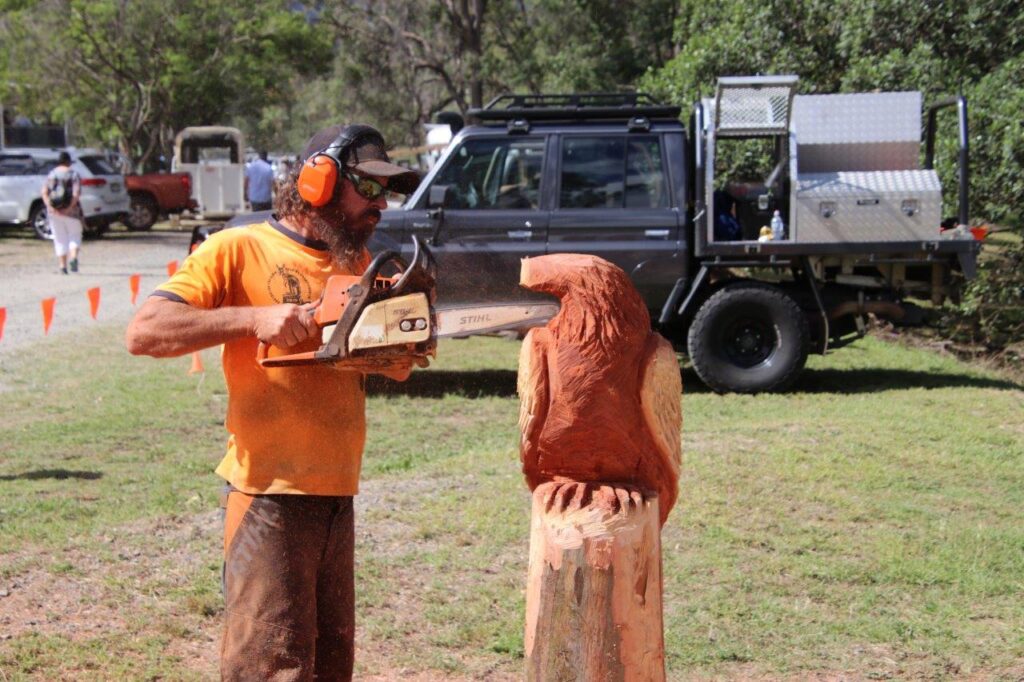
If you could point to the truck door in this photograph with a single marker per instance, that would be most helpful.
(615, 200)
(494, 218)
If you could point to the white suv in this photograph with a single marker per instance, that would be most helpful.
(23, 171)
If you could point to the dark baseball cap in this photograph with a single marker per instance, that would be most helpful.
(367, 155)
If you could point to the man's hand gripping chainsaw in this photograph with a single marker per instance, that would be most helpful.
(374, 324)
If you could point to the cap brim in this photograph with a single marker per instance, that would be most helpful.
(401, 180)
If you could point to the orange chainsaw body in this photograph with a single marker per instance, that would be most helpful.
(373, 324)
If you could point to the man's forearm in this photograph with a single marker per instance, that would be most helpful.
(163, 328)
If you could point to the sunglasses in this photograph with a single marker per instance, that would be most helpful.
(366, 187)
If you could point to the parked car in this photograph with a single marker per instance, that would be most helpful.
(155, 194)
(104, 199)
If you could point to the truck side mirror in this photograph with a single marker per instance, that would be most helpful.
(441, 196)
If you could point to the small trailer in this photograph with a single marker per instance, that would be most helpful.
(215, 157)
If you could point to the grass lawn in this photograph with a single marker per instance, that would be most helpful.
(869, 524)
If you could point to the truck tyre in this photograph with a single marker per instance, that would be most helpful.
(37, 220)
(748, 338)
(142, 214)
(93, 228)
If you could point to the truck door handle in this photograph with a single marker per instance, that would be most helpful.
(422, 226)
(660, 234)
(520, 234)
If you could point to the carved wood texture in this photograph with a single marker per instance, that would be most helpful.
(600, 392)
(600, 415)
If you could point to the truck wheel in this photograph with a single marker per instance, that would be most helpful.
(37, 219)
(93, 228)
(143, 213)
(748, 338)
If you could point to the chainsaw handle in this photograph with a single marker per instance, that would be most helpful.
(378, 262)
(261, 352)
(419, 252)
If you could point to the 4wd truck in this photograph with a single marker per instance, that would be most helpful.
(156, 194)
(621, 177)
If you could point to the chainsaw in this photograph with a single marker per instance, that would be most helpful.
(372, 324)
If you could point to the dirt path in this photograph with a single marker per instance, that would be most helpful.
(134, 576)
(28, 274)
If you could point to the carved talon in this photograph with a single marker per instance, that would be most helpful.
(637, 498)
(623, 497)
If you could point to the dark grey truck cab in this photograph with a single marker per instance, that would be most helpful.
(621, 177)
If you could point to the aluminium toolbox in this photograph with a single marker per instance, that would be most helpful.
(867, 206)
(858, 174)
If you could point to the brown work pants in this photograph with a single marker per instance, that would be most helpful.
(289, 592)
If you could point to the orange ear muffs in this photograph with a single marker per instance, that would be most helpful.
(317, 179)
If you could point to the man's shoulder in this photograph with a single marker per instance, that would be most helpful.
(249, 236)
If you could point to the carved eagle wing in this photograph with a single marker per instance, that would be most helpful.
(660, 391)
(532, 386)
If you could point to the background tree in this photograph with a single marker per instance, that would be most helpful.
(130, 73)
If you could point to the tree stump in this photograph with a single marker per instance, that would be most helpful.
(600, 416)
(593, 598)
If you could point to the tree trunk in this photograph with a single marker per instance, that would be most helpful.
(593, 599)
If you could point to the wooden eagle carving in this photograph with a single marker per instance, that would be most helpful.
(600, 391)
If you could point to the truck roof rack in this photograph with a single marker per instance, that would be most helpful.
(589, 106)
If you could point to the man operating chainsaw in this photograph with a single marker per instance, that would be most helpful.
(296, 433)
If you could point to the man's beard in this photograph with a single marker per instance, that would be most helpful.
(345, 240)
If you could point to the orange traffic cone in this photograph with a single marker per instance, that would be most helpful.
(197, 364)
(94, 301)
(47, 304)
(3, 318)
(133, 286)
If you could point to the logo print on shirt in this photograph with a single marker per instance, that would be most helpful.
(289, 286)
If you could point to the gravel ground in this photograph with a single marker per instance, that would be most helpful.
(28, 274)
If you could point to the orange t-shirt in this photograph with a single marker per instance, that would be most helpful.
(294, 430)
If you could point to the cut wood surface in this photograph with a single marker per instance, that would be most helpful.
(593, 597)
(600, 392)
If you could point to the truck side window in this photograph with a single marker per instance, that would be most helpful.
(612, 172)
(495, 173)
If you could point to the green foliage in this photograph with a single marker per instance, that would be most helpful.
(399, 62)
(991, 317)
(132, 74)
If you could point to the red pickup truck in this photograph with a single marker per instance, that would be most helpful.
(156, 194)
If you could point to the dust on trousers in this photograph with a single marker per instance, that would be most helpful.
(288, 588)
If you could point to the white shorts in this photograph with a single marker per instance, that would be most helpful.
(67, 232)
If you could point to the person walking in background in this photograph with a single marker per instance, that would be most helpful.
(61, 193)
(259, 183)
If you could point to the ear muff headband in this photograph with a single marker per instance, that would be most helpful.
(319, 173)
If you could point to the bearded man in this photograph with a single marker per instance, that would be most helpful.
(296, 433)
